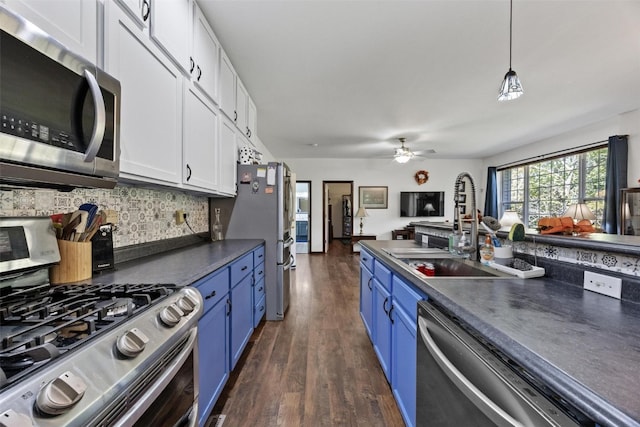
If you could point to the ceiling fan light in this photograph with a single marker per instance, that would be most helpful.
(511, 87)
(403, 158)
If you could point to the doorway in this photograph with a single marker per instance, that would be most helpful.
(337, 212)
(303, 217)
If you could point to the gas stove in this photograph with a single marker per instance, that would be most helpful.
(89, 354)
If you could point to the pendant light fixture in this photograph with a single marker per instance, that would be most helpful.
(403, 154)
(511, 87)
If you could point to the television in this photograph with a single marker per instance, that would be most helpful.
(421, 203)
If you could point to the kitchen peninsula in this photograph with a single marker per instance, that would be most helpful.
(582, 345)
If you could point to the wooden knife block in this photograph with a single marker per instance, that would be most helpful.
(75, 263)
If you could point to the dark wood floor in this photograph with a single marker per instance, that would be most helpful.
(317, 367)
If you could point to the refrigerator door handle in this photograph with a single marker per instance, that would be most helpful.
(289, 242)
(289, 263)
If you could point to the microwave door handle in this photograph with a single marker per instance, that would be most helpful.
(100, 121)
(481, 400)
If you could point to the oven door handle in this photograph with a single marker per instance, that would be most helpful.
(100, 118)
(482, 402)
(144, 401)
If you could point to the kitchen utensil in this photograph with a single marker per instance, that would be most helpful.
(69, 229)
(82, 225)
(91, 209)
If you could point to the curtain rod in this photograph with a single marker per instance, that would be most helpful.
(552, 154)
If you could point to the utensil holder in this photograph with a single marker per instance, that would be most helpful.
(75, 262)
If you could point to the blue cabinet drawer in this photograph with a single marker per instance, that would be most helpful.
(240, 268)
(366, 259)
(258, 290)
(258, 255)
(258, 311)
(406, 297)
(383, 274)
(213, 287)
(258, 272)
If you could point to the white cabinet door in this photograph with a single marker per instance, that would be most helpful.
(73, 23)
(204, 65)
(228, 157)
(227, 86)
(171, 29)
(140, 10)
(200, 142)
(151, 105)
(252, 120)
(241, 107)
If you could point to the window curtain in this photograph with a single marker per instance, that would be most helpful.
(615, 180)
(491, 194)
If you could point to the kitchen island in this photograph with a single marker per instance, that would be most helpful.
(583, 346)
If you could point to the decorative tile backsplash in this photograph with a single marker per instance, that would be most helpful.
(144, 215)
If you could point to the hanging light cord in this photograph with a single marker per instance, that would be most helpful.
(510, 30)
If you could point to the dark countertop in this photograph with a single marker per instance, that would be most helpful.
(628, 245)
(181, 266)
(583, 345)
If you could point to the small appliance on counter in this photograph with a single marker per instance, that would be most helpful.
(102, 249)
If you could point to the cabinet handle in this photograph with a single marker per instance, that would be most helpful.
(211, 295)
(390, 310)
(259, 272)
(369, 283)
(250, 133)
(244, 268)
(384, 305)
(199, 73)
(365, 259)
(192, 64)
(146, 9)
(260, 289)
(229, 306)
(235, 116)
(188, 172)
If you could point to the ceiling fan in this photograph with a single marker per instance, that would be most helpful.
(403, 154)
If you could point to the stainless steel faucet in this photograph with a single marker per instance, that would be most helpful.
(472, 249)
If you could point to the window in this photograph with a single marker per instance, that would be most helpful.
(546, 188)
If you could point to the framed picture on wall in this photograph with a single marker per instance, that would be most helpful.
(373, 197)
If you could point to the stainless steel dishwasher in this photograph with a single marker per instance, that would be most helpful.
(461, 382)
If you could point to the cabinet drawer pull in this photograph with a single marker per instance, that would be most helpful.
(188, 172)
(146, 8)
(191, 64)
(260, 289)
(199, 73)
(211, 295)
(235, 116)
(244, 268)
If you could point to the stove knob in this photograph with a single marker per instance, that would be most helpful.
(61, 394)
(12, 418)
(171, 315)
(132, 343)
(187, 304)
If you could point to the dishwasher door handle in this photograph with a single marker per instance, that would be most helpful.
(482, 402)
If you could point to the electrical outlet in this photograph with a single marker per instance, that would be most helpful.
(605, 285)
(179, 217)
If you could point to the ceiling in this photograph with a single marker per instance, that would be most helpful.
(345, 79)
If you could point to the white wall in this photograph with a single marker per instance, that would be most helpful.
(442, 175)
(624, 124)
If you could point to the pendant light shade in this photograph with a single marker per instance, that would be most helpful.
(511, 87)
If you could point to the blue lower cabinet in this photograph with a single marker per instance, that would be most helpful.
(213, 360)
(259, 311)
(403, 365)
(382, 326)
(366, 298)
(241, 313)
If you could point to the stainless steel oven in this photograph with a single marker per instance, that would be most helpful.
(91, 354)
(59, 114)
(462, 382)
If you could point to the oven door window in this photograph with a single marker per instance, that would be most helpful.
(174, 404)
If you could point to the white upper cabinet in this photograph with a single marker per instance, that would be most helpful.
(242, 97)
(151, 105)
(200, 145)
(171, 29)
(75, 24)
(227, 86)
(228, 157)
(167, 23)
(206, 55)
(252, 120)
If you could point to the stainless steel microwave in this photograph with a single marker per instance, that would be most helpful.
(60, 114)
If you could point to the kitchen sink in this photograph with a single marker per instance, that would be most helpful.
(455, 268)
(419, 253)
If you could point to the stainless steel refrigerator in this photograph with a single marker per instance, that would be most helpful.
(263, 209)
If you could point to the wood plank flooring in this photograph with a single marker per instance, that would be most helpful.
(317, 367)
